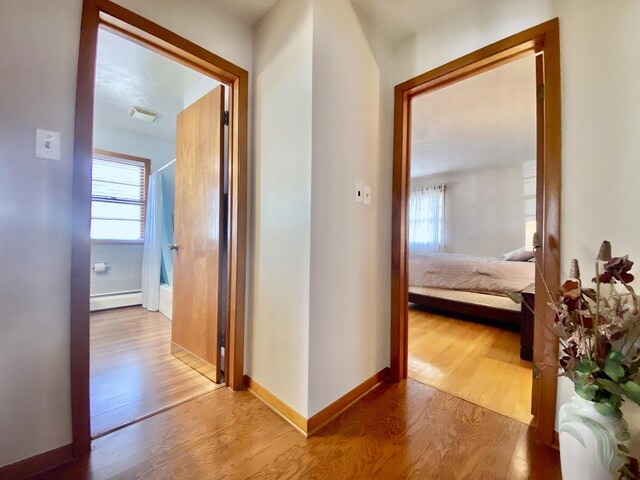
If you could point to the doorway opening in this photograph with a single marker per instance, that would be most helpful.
(151, 193)
(472, 215)
(209, 241)
(468, 181)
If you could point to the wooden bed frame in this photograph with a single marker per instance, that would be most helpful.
(464, 308)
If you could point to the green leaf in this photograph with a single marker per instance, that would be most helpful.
(623, 448)
(585, 367)
(587, 391)
(616, 356)
(609, 386)
(606, 409)
(632, 391)
(623, 436)
(613, 368)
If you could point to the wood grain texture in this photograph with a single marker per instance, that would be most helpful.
(477, 362)
(545, 349)
(278, 406)
(543, 38)
(330, 412)
(133, 374)
(398, 431)
(197, 268)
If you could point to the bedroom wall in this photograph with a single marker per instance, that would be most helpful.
(484, 209)
(600, 94)
(38, 61)
(277, 351)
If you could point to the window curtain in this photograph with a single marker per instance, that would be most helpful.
(426, 219)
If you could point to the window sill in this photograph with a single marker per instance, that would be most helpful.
(117, 242)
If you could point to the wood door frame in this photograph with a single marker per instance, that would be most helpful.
(545, 39)
(117, 19)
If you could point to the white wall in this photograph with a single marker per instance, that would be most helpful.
(278, 291)
(38, 61)
(600, 98)
(484, 209)
(204, 22)
(119, 140)
(38, 57)
(350, 242)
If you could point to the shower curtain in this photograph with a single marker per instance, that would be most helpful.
(152, 257)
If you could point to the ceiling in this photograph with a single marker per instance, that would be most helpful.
(248, 11)
(483, 121)
(128, 74)
(397, 19)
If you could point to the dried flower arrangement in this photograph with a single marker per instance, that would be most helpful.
(599, 329)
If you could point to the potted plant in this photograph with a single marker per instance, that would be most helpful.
(598, 330)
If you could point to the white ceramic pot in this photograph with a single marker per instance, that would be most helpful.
(588, 444)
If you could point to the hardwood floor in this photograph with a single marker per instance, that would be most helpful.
(133, 373)
(398, 431)
(473, 361)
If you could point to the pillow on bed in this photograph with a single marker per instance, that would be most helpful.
(519, 255)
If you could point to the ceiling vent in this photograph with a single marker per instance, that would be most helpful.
(140, 113)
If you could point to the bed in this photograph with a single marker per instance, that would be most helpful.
(469, 285)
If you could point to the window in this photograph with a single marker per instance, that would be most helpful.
(118, 196)
(426, 219)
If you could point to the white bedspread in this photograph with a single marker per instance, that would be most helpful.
(469, 273)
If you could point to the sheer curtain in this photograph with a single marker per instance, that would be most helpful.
(426, 219)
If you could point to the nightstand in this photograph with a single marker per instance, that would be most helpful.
(527, 322)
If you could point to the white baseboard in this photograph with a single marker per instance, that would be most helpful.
(104, 302)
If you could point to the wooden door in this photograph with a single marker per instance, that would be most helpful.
(197, 271)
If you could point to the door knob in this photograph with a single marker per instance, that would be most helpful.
(173, 246)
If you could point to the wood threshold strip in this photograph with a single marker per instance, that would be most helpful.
(309, 427)
(38, 463)
(151, 414)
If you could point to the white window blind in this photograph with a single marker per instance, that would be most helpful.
(118, 199)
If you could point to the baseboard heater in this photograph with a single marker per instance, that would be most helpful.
(115, 300)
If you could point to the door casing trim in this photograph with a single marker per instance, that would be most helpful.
(119, 20)
(544, 39)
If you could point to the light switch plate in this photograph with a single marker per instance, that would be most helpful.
(358, 193)
(367, 195)
(47, 144)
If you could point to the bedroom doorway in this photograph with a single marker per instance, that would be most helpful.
(472, 214)
(476, 174)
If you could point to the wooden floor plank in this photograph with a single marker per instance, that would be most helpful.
(470, 360)
(397, 431)
(133, 373)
